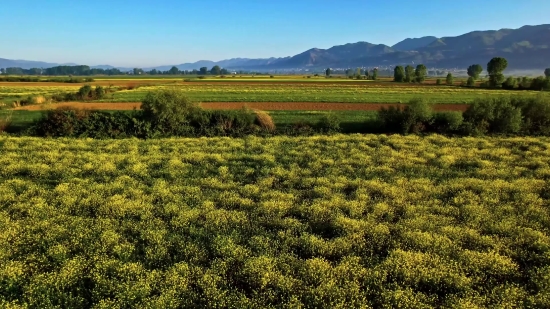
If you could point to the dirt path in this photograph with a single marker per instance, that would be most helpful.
(268, 106)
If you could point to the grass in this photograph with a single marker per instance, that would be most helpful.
(344, 221)
(279, 89)
(324, 93)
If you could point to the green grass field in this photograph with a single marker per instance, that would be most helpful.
(310, 222)
(323, 93)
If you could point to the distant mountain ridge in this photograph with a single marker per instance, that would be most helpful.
(413, 44)
(527, 47)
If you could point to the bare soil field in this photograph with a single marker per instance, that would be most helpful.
(306, 106)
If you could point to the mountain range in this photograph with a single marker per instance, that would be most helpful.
(525, 48)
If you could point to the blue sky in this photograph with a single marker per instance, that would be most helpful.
(161, 32)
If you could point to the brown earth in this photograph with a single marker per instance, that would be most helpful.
(268, 106)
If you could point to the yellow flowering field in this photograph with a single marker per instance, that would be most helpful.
(343, 221)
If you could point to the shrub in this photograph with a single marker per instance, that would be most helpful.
(168, 111)
(63, 121)
(540, 83)
(329, 123)
(447, 122)
(85, 92)
(536, 115)
(510, 83)
(492, 116)
(99, 93)
(416, 117)
(438, 81)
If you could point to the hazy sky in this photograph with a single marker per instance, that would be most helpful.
(161, 32)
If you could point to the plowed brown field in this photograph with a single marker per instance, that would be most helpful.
(306, 106)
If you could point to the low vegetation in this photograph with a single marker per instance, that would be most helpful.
(304, 222)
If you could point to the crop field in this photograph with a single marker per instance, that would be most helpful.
(341, 93)
(343, 221)
(283, 90)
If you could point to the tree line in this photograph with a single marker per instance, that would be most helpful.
(495, 69)
(84, 70)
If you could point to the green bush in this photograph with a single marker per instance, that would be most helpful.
(85, 92)
(447, 122)
(438, 81)
(492, 116)
(329, 123)
(471, 82)
(536, 115)
(416, 117)
(510, 83)
(168, 111)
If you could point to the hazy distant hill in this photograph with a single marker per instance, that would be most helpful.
(525, 48)
(414, 44)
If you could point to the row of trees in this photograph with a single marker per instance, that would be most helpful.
(410, 74)
(495, 69)
(358, 73)
(84, 70)
(80, 70)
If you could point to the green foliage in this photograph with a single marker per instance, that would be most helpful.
(449, 80)
(547, 73)
(216, 70)
(409, 74)
(328, 72)
(399, 74)
(329, 123)
(375, 74)
(420, 73)
(493, 116)
(470, 82)
(495, 67)
(447, 122)
(540, 83)
(474, 71)
(415, 117)
(363, 221)
(438, 82)
(203, 71)
(85, 92)
(536, 115)
(510, 83)
(168, 111)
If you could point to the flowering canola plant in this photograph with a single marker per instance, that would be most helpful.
(343, 221)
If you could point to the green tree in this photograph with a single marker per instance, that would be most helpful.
(2, 71)
(474, 70)
(138, 71)
(399, 74)
(510, 83)
(420, 73)
(495, 67)
(328, 71)
(174, 71)
(358, 73)
(409, 74)
(450, 79)
(216, 70)
(547, 73)
(203, 71)
(471, 81)
(375, 74)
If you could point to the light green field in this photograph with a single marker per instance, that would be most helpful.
(353, 93)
